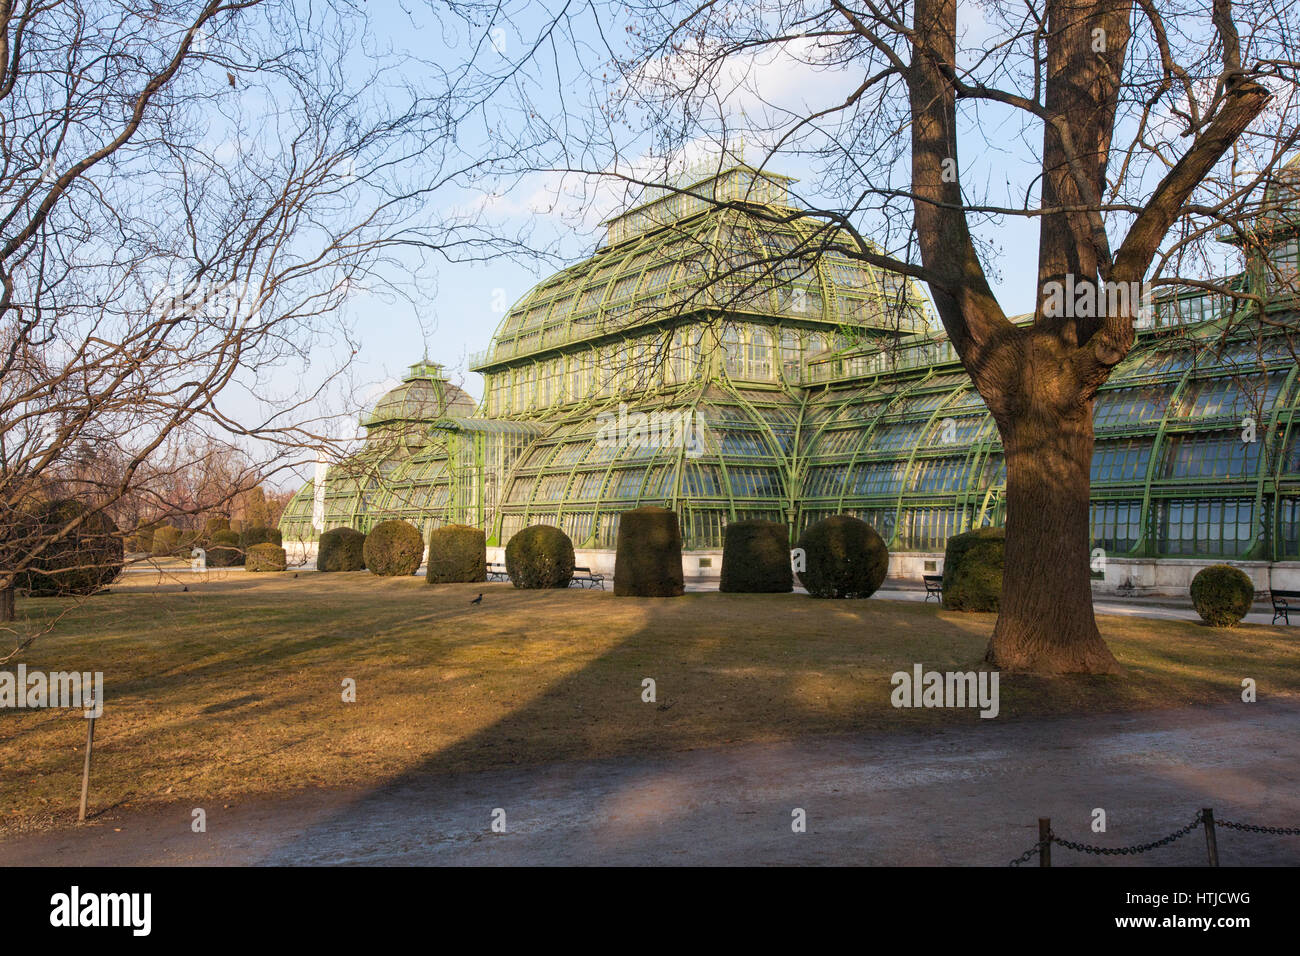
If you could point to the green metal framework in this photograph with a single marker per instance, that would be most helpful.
(685, 325)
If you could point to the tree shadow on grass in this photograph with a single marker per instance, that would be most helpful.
(718, 683)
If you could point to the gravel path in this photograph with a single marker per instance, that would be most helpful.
(963, 796)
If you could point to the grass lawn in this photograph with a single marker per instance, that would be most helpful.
(234, 688)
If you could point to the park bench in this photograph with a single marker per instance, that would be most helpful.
(933, 586)
(586, 578)
(497, 572)
(1281, 607)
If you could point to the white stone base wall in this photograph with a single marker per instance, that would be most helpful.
(1163, 577)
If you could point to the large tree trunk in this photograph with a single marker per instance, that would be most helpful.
(6, 604)
(1045, 622)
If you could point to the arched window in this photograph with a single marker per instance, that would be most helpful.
(732, 351)
(760, 354)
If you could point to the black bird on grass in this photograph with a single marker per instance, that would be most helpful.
(478, 600)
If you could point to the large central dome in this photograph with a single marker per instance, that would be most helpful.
(730, 243)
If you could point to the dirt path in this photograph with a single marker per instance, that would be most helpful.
(965, 796)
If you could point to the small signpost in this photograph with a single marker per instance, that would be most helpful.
(85, 770)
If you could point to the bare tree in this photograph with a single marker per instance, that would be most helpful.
(190, 194)
(1133, 131)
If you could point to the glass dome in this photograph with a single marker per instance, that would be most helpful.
(424, 396)
(749, 257)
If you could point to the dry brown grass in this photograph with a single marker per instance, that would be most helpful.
(234, 688)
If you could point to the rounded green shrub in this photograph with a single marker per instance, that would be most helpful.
(1222, 594)
(166, 540)
(972, 570)
(84, 561)
(341, 549)
(756, 558)
(266, 557)
(457, 553)
(224, 551)
(540, 557)
(648, 562)
(393, 548)
(843, 558)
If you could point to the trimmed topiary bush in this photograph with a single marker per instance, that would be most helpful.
(266, 557)
(843, 558)
(540, 557)
(457, 553)
(972, 570)
(648, 562)
(166, 539)
(393, 548)
(224, 551)
(86, 560)
(756, 558)
(1222, 595)
(141, 540)
(213, 525)
(341, 549)
(259, 534)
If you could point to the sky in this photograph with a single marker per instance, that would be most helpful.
(469, 300)
(464, 302)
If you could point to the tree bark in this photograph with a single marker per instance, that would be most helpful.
(1045, 620)
(6, 604)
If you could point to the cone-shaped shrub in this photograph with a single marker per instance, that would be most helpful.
(341, 549)
(457, 553)
(756, 558)
(84, 561)
(972, 570)
(393, 548)
(843, 558)
(1222, 594)
(540, 557)
(224, 551)
(648, 562)
(266, 557)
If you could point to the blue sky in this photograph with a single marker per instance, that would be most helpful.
(466, 299)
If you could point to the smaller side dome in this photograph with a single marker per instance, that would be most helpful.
(425, 395)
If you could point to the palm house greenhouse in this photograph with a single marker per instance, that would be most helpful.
(721, 355)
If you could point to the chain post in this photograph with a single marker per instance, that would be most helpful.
(1211, 840)
(1044, 841)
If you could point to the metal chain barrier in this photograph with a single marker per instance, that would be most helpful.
(1126, 850)
(1203, 818)
(1251, 828)
(1030, 853)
